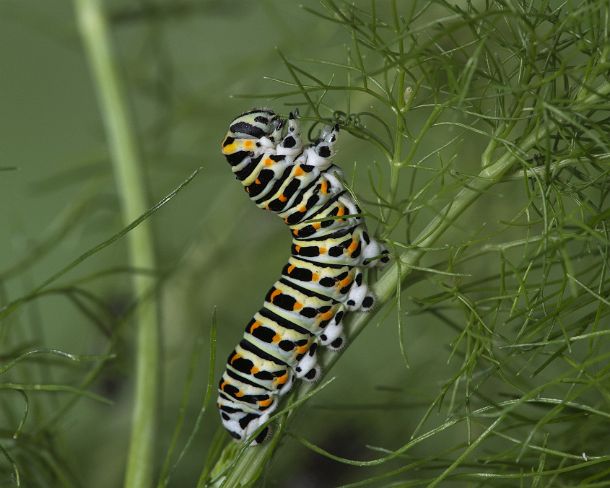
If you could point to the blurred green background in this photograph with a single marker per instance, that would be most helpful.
(182, 63)
(181, 67)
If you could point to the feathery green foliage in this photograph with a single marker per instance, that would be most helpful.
(475, 136)
(529, 85)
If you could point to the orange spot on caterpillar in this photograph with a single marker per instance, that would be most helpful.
(291, 268)
(297, 306)
(352, 247)
(298, 171)
(316, 225)
(265, 403)
(257, 181)
(222, 385)
(248, 144)
(268, 162)
(297, 248)
(234, 358)
(327, 315)
(302, 349)
(276, 338)
(302, 208)
(344, 283)
(239, 394)
(254, 326)
(323, 250)
(254, 370)
(275, 293)
(340, 211)
(280, 380)
(324, 187)
(282, 198)
(315, 276)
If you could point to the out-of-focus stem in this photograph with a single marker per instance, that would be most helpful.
(131, 189)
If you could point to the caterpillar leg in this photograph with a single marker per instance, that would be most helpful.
(278, 125)
(262, 437)
(291, 145)
(269, 142)
(241, 424)
(373, 252)
(287, 386)
(350, 205)
(359, 297)
(320, 153)
(231, 423)
(253, 426)
(333, 337)
(332, 175)
(308, 368)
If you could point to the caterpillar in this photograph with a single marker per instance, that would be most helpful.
(322, 280)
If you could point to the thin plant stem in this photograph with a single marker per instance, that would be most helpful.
(127, 168)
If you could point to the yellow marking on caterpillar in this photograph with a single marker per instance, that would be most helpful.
(315, 276)
(222, 385)
(229, 148)
(297, 248)
(323, 250)
(234, 358)
(291, 268)
(276, 338)
(341, 211)
(239, 394)
(316, 225)
(254, 370)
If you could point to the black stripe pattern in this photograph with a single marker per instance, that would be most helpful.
(322, 280)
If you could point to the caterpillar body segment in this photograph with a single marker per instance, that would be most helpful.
(323, 279)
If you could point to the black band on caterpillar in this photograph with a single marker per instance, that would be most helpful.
(323, 278)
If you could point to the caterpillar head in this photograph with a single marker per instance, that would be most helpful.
(250, 133)
(258, 123)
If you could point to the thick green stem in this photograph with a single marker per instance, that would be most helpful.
(130, 184)
(232, 473)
